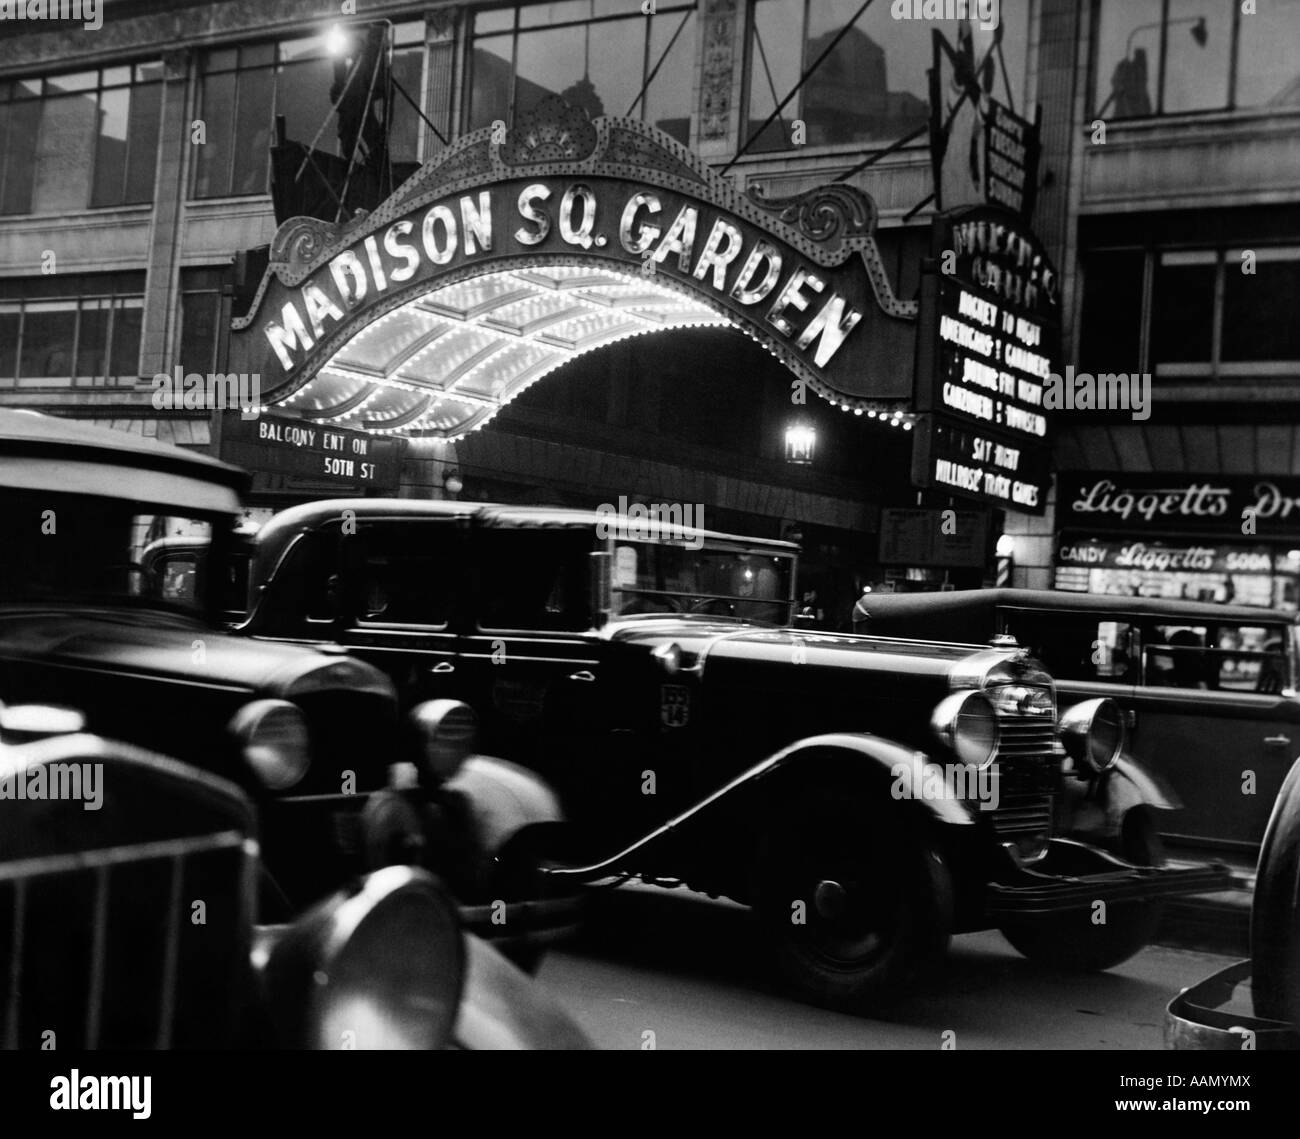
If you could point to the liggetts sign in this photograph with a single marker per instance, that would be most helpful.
(1224, 506)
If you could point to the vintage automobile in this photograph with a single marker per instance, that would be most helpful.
(1208, 691)
(867, 797)
(128, 895)
(1255, 1003)
(341, 782)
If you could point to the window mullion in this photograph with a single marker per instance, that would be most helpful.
(1164, 52)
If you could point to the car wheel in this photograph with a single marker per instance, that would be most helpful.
(1074, 940)
(854, 901)
(1275, 912)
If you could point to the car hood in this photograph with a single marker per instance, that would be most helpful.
(704, 641)
(157, 644)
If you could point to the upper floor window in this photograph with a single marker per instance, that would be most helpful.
(873, 87)
(200, 318)
(601, 55)
(67, 329)
(1191, 312)
(1166, 57)
(49, 126)
(242, 90)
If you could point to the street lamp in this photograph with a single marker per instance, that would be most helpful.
(800, 443)
(337, 41)
(1200, 33)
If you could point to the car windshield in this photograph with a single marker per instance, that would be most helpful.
(86, 548)
(658, 577)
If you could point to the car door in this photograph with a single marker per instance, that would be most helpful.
(1214, 718)
(401, 585)
(529, 647)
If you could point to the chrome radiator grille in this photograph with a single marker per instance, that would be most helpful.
(106, 948)
(1027, 760)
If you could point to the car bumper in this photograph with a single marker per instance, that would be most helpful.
(1202, 1018)
(1073, 876)
(518, 925)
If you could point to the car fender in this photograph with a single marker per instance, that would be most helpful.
(503, 799)
(1130, 784)
(912, 775)
(847, 755)
(1097, 810)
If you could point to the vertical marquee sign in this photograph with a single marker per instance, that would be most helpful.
(989, 338)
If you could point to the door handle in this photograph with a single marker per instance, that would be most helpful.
(443, 666)
(585, 675)
(1277, 741)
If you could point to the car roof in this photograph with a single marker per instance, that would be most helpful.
(34, 434)
(956, 601)
(311, 514)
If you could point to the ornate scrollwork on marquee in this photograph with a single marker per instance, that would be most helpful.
(553, 131)
(829, 215)
(301, 240)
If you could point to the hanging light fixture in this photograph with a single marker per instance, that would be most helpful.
(800, 442)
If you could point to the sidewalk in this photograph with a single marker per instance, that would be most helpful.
(1215, 923)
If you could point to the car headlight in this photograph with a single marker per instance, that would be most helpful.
(378, 966)
(274, 740)
(446, 733)
(1093, 734)
(967, 723)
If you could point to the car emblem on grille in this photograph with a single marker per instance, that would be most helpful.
(674, 705)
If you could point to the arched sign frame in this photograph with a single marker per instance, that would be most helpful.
(816, 250)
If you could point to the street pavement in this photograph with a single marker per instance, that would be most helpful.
(672, 969)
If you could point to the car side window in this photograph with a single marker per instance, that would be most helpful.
(535, 579)
(1221, 657)
(1249, 658)
(406, 574)
(1075, 646)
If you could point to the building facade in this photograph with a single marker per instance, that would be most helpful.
(134, 179)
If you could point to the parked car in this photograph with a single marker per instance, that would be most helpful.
(1208, 691)
(127, 921)
(867, 797)
(1255, 1003)
(91, 618)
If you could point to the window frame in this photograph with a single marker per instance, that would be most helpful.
(1232, 103)
(1216, 368)
(665, 8)
(95, 89)
(114, 297)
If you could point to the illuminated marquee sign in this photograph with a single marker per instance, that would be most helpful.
(962, 461)
(989, 338)
(507, 256)
(811, 309)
